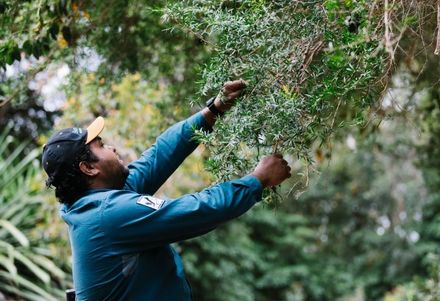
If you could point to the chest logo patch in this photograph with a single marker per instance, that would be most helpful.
(150, 201)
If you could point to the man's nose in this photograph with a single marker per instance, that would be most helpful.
(111, 147)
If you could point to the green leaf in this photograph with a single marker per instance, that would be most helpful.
(29, 285)
(8, 263)
(17, 234)
(48, 265)
(35, 269)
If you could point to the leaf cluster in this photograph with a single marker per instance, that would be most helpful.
(313, 67)
(32, 28)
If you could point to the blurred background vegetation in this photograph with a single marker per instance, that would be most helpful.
(359, 220)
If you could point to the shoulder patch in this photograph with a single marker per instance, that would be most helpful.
(150, 201)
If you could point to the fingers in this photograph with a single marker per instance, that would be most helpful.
(233, 95)
(285, 164)
(235, 85)
(231, 90)
(272, 170)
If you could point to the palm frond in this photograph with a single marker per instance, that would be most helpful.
(27, 269)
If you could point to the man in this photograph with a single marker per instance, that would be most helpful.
(119, 233)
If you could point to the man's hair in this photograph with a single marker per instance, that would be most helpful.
(72, 183)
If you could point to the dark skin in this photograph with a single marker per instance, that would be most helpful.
(110, 172)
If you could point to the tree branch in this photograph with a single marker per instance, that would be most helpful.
(388, 32)
(437, 48)
(3, 102)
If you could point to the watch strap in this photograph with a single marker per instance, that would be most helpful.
(210, 104)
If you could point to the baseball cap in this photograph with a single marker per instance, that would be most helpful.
(62, 148)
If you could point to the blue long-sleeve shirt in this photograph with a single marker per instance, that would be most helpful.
(120, 238)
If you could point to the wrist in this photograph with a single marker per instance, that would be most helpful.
(220, 105)
(210, 118)
(261, 178)
(221, 102)
(213, 105)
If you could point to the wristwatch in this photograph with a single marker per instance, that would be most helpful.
(211, 106)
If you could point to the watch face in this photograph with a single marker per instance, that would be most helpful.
(210, 101)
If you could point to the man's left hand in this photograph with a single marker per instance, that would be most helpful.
(231, 90)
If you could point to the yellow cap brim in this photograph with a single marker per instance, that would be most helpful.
(94, 129)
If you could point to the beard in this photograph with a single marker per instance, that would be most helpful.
(120, 177)
(115, 174)
(125, 174)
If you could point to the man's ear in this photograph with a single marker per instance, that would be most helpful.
(88, 168)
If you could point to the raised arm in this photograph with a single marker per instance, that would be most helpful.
(157, 163)
(136, 223)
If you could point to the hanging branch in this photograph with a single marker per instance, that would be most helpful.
(310, 74)
(437, 48)
(388, 32)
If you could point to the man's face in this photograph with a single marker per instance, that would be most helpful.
(112, 170)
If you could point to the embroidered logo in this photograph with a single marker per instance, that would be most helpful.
(150, 201)
(77, 131)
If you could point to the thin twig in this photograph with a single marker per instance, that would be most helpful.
(437, 48)
(4, 102)
(29, 75)
(309, 55)
(336, 112)
(275, 147)
(388, 33)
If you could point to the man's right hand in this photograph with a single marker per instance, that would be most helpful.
(272, 170)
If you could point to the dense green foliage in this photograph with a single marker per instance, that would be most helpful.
(86, 35)
(312, 67)
(129, 36)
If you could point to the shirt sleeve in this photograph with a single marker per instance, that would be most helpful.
(158, 162)
(134, 227)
